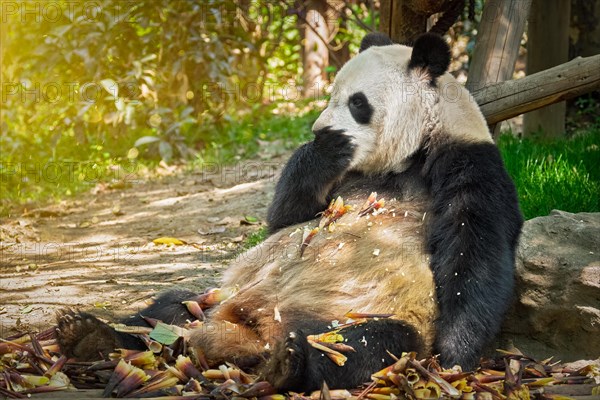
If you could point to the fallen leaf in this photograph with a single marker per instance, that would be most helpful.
(36, 380)
(166, 334)
(102, 304)
(249, 220)
(168, 241)
(27, 309)
(59, 380)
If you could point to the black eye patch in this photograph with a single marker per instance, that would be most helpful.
(360, 108)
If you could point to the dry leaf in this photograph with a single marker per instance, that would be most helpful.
(169, 241)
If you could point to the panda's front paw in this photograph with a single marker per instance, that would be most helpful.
(334, 144)
(83, 336)
(288, 363)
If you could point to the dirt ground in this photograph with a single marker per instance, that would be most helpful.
(96, 252)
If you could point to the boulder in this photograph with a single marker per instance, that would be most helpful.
(557, 306)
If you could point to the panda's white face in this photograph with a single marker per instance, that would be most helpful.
(382, 106)
(388, 109)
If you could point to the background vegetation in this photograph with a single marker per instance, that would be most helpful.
(92, 92)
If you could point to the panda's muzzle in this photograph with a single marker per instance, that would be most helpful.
(324, 121)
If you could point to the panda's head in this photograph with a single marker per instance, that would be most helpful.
(393, 99)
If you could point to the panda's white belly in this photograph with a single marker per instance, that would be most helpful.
(372, 264)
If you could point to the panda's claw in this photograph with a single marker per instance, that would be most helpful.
(287, 364)
(83, 336)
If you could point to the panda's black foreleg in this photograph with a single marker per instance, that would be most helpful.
(303, 190)
(297, 366)
(83, 336)
(472, 232)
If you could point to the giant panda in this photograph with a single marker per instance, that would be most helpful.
(439, 257)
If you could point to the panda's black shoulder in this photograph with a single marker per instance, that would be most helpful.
(474, 172)
(456, 162)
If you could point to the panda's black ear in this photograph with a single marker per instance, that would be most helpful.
(374, 39)
(432, 53)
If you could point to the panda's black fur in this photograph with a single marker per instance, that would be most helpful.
(431, 54)
(304, 188)
(471, 225)
(84, 337)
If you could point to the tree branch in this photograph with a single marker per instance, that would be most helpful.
(504, 100)
(356, 18)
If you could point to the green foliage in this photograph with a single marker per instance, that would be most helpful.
(153, 69)
(584, 113)
(91, 89)
(561, 174)
(255, 238)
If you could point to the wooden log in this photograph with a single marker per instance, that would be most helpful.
(508, 99)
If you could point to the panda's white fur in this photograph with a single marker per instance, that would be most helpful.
(407, 109)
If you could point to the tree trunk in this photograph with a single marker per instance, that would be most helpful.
(547, 46)
(316, 53)
(342, 54)
(498, 39)
(405, 20)
(400, 22)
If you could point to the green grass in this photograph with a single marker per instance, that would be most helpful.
(255, 238)
(561, 174)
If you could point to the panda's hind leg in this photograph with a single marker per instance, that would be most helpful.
(84, 337)
(167, 307)
(296, 365)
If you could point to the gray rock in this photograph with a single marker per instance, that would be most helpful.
(557, 309)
